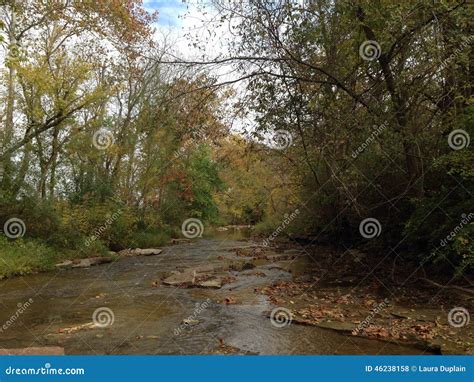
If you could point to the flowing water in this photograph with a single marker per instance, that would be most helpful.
(149, 320)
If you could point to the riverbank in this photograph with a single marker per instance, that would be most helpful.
(25, 256)
(353, 293)
(22, 257)
(205, 296)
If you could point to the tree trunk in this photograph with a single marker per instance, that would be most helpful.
(412, 158)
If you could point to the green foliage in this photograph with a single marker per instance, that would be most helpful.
(267, 226)
(204, 176)
(100, 150)
(370, 131)
(148, 239)
(19, 257)
(255, 183)
(368, 135)
(442, 226)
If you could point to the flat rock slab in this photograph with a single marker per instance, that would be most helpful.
(190, 278)
(186, 278)
(64, 264)
(205, 268)
(46, 350)
(147, 251)
(344, 327)
(139, 252)
(86, 263)
(214, 283)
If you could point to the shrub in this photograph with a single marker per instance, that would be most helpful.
(22, 256)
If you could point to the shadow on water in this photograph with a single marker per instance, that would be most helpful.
(149, 320)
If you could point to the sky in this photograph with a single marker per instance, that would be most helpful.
(177, 19)
(168, 11)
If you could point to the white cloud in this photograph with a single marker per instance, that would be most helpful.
(193, 23)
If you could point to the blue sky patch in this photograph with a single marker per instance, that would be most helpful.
(168, 11)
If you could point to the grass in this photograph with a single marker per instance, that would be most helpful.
(24, 256)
